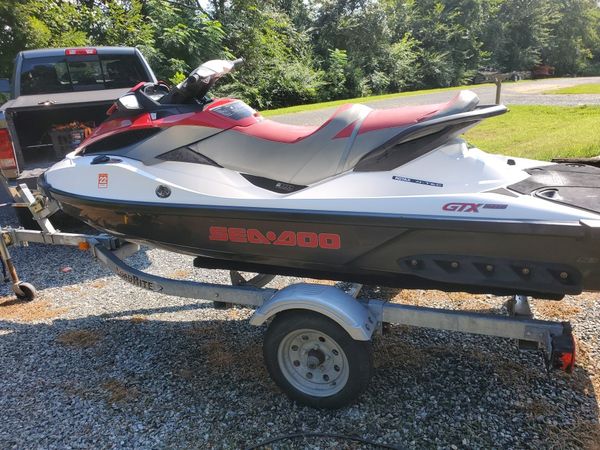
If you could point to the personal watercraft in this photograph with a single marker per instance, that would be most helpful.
(391, 197)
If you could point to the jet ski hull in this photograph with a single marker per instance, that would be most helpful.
(546, 260)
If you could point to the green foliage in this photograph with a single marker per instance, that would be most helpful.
(177, 78)
(335, 74)
(51, 24)
(303, 51)
(279, 68)
(575, 36)
(524, 30)
(182, 37)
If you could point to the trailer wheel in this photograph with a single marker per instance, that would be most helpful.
(314, 361)
(25, 291)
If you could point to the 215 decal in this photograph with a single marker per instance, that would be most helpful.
(304, 239)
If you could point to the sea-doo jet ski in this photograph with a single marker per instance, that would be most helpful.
(391, 197)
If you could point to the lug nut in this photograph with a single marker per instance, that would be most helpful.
(525, 271)
(564, 275)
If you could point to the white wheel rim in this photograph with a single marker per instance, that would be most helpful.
(313, 363)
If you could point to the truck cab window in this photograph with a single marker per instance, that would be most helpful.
(80, 73)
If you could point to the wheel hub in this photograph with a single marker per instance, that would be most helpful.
(313, 362)
(315, 358)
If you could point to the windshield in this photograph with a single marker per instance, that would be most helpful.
(80, 73)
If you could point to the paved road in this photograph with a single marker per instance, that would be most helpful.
(521, 93)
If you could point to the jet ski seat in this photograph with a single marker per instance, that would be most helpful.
(302, 155)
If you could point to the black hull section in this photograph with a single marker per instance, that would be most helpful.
(503, 258)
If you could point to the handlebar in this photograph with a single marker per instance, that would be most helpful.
(238, 61)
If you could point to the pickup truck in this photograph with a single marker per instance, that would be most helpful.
(52, 88)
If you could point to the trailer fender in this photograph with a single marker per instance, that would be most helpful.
(349, 313)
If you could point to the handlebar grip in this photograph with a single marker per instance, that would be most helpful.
(235, 62)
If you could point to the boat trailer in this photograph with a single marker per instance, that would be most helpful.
(317, 345)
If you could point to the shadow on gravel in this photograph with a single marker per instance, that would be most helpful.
(47, 266)
(143, 379)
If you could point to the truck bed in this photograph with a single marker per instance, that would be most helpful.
(31, 127)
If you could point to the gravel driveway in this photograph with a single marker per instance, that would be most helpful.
(528, 92)
(97, 363)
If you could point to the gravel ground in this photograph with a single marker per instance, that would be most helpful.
(97, 363)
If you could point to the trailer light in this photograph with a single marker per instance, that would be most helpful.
(84, 246)
(567, 361)
(80, 51)
(7, 154)
(563, 350)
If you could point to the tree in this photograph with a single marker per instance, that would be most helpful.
(279, 68)
(301, 51)
(522, 32)
(182, 37)
(574, 35)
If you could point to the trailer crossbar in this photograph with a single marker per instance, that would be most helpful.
(540, 331)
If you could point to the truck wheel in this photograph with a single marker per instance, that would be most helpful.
(314, 361)
(25, 219)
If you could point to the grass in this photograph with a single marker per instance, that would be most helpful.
(372, 98)
(541, 132)
(589, 88)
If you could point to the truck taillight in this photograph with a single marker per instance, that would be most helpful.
(80, 51)
(7, 154)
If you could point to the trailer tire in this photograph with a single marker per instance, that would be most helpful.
(315, 361)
